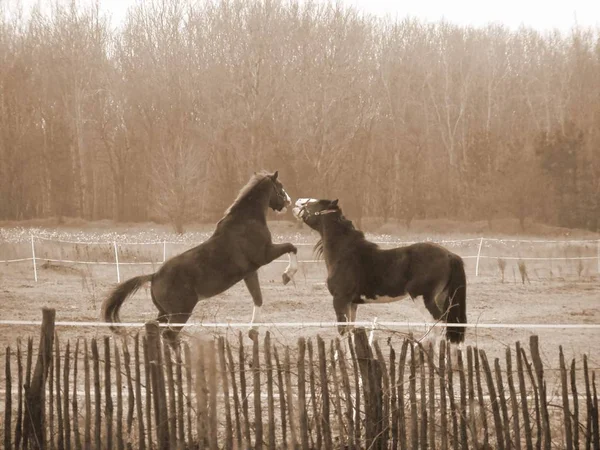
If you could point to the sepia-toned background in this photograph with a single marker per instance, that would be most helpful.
(165, 116)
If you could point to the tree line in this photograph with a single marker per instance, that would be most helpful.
(165, 116)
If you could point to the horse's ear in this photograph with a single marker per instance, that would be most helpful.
(334, 203)
(275, 175)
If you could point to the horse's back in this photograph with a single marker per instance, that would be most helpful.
(206, 269)
(417, 267)
(221, 261)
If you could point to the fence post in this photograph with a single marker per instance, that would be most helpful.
(35, 392)
(371, 374)
(35, 266)
(478, 256)
(165, 251)
(157, 383)
(117, 262)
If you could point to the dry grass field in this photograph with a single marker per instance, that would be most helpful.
(555, 292)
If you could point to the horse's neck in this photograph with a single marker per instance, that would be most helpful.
(253, 206)
(336, 235)
(247, 212)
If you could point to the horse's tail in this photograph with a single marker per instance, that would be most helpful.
(456, 302)
(111, 306)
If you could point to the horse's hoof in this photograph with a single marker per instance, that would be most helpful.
(253, 334)
(286, 278)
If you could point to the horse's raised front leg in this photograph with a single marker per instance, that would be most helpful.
(276, 250)
(253, 286)
(291, 269)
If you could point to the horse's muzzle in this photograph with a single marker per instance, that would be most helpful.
(296, 212)
(299, 209)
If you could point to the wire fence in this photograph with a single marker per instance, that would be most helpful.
(582, 254)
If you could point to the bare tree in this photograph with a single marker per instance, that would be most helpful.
(399, 119)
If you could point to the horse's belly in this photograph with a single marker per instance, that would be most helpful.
(384, 299)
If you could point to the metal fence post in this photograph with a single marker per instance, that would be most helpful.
(478, 256)
(117, 262)
(33, 259)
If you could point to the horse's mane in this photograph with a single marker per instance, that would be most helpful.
(346, 223)
(245, 191)
(318, 249)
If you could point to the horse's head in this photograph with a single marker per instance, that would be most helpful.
(279, 199)
(313, 211)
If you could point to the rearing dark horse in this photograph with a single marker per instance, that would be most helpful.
(240, 245)
(360, 272)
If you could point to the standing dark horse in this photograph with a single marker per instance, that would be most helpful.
(240, 245)
(360, 272)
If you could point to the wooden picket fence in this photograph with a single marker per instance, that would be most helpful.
(110, 393)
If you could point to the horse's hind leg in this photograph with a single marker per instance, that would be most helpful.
(171, 333)
(342, 312)
(179, 316)
(433, 334)
(433, 307)
(253, 286)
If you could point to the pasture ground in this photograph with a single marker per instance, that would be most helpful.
(563, 294)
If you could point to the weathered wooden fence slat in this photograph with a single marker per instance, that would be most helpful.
(60, 443)
(189, 383)
(75, 402)
(236, 397)
(139, 404)
(19, 426)
(225, 383)
(271, 440)
(258, 423)
(315, 399)
(337, 394)
(65, 388)
(26, 388)
(541, 384)
(244, 396)
(149, 390)
(523, 396)
(514, 401)
(97, 399)
(281, 392)
(336, 397)
(87, 432)
(423, 425)
(431, 432)
(170, 385)
(212, 397)
(451, 398)
(108, 400)
(302, 410)
(463, 402)
(7, 401)
(503, 407)
(401, 399)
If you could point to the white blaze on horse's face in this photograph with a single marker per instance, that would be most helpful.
(286, 202)
(301, 203)
(288, 199)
